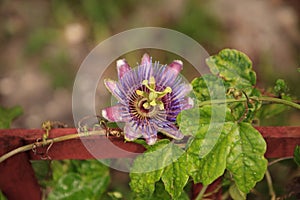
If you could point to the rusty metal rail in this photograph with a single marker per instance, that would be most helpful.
(17, 180)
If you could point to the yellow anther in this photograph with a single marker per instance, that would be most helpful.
(161, 105)
(167, 90)
(139, 92)
(153, 103)
(146, 105)
(145, 82)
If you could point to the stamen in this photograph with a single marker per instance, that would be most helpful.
(153, 103)
(161, 105)
(141, 93)
(146, 105)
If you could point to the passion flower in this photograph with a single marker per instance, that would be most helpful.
(150, 97)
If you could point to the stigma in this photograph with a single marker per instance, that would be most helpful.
(153, 97)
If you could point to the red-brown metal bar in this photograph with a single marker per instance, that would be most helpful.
(17, 179)
(281, 142)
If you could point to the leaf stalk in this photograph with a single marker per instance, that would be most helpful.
(265, 99)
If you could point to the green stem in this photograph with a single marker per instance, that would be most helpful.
(49, 141)
(270, 185)
(266, 99)
(201, 193)
(214, 191)
(280, 101)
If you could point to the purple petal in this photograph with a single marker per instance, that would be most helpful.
(131, 134)
(114, 89)
(122, 67)
(149, 133)
(113, 113)
(151, 140)
(171, 131)
(176, 66)
(182, 90)
(170, 74)
(146, 60)
(145, 71)
(187, 103)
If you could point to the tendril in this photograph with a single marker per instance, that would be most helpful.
(244, 116)
(101, 124)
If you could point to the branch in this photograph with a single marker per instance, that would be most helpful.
(280, 159)
(50, 141)
(270, 185)
(266, 99)
(201, 193)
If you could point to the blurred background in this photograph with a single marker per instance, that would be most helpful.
(43, 44)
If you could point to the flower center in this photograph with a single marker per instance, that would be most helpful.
(152, 98)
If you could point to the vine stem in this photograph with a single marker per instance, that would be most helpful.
(270, 185)
(280, 159)
(266, 99)
(214, 191)
(50, 141)
(103, 132)
(201, 193)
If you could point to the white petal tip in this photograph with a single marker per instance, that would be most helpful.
(110, 84)
(128, 138)
(122, 67)
(121, 62)
(151, 141)
(191, 102)
(178, 61)
(176, 66)
(104, 114)
(146, 59)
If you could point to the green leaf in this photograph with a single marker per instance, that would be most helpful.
(209, 87)
(231, 74)
(239, 148)
(297, 155)
(212, 117)
(234, 67)
(280, 88)
(87, 179)
(2, 197)
(235, 193)
(191, 120)
(42, 170)
(163, 161)
(161, 193)
(7, 115)
(70, 186)
(175, 176)
(208, 168)
(147, 170)
(246, 158)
